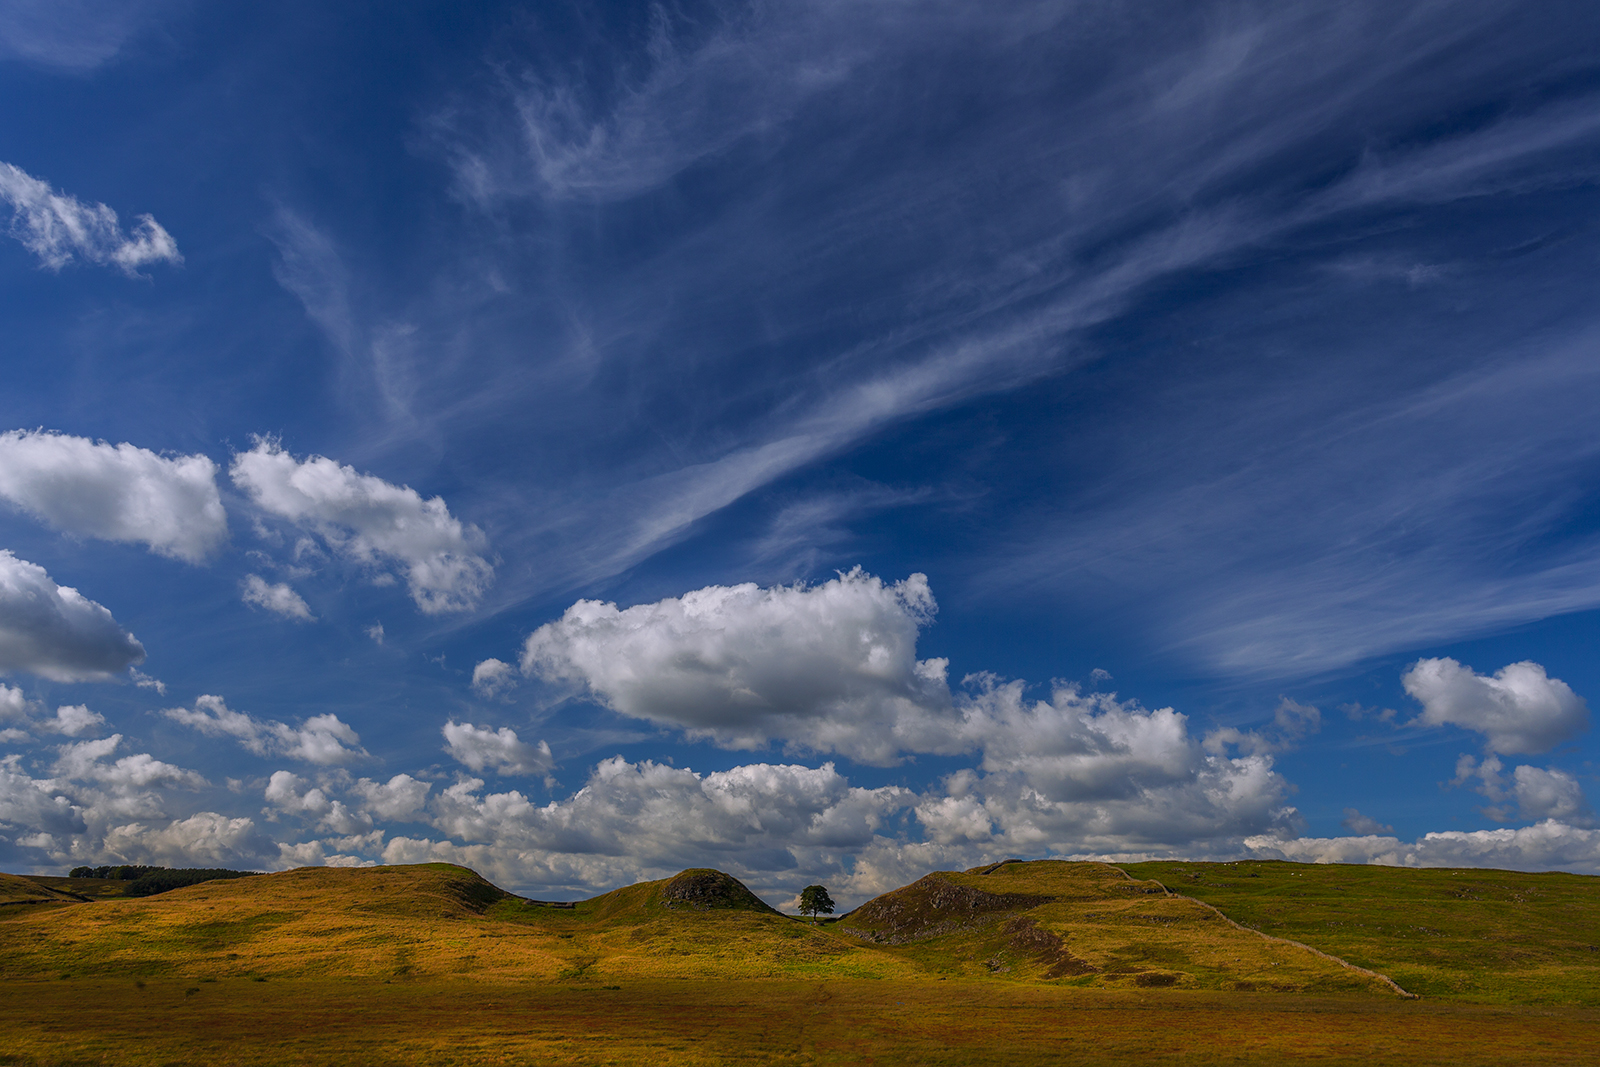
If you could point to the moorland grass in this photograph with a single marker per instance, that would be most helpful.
(1017, 963)
(1472, 934)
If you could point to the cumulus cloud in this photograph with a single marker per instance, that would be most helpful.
(1519, 709)
(35, 804)
(54, 631)
(371, 522)
(206, 838)
(400, 799)
(1544, 846)
(100, 808)
(830, 667)
(645, 818)
(320, 739)
(13, 705)
(1073, 775)
(84, 761)
(58, 228)
(1086, 773)
(1550, 794)
(493, 676)
(277, 598)
(115, 492)
(75, 720)
(478, 747)
(287, 791)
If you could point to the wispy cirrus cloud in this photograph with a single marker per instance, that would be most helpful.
(1159, 151)
(71, 35)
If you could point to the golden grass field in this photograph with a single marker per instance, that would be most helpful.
(1019, 963)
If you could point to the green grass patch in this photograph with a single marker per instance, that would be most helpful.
(1471, 934)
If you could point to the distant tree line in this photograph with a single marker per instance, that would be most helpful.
(148, 881)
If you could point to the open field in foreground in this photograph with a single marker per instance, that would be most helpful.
(669, 1023)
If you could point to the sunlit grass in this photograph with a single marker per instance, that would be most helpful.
(1497, 936)
(687, 1023)
(1014, 964)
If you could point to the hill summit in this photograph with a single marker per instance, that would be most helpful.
(705, 888)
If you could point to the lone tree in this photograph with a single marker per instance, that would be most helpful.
(814, 901)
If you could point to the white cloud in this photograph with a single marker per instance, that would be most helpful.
(58, 227)
(1089, 774)
(277, 598)
(375, 631)
(647, 819)
(13, 706)
(75, 720)
(401, 798)
(54, 631)
(830, 667)
(288, 792)
(115, 492)
(34, 803)
(320, 739)
(1518, 710)
(371, 521)
(493, 676)
(1548, 845)
(206, 838)
(144, 681)
(1549, 794)
(478, 747)
(83, 761)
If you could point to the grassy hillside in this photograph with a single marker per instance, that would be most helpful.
(1088, 924)
(430, 920)
(1486, 935)
(1481, 935)
(15, 889)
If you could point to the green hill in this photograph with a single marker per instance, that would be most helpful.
(1471, 933)
(430, 920)
(1266, 927)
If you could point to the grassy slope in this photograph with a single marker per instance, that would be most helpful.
(1481, 935)
(15, 889)
(91, 888)
(430, 920)
(1486, 935)
(1087, 924)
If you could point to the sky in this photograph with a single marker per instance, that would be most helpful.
(826, 442)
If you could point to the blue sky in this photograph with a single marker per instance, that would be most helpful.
(827, 442)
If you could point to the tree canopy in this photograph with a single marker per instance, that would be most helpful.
(814, 901)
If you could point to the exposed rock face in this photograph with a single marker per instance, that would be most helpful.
(703, 888)
(932, 906)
